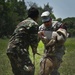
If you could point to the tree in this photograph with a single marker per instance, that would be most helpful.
(21, 9)
(47, 7)
(32, 4)
(59, 19)
(70, 25)
(12, 12)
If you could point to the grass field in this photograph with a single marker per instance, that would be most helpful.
(67, 67)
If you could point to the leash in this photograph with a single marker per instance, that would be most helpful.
(34, 57)
(39, 54)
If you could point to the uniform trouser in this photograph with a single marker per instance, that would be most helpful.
(18, 68)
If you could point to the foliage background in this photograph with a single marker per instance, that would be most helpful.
(14, 11)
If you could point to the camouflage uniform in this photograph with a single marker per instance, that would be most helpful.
(53, 48)
(25, 35)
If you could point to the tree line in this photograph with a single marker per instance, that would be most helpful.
(14, 11)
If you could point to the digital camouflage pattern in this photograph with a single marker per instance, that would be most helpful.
(25, 35)
(54, 50)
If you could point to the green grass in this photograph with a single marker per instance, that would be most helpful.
(5, 68)
(67, 67)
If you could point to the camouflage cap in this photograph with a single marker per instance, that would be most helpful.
(45, 16)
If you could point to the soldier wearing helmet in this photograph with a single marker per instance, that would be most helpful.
(53, 37)
(25, 35)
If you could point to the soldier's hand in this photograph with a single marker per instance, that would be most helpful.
(41, 34)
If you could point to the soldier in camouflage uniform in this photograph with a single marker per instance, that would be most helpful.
(53, 38)
(25, 35)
